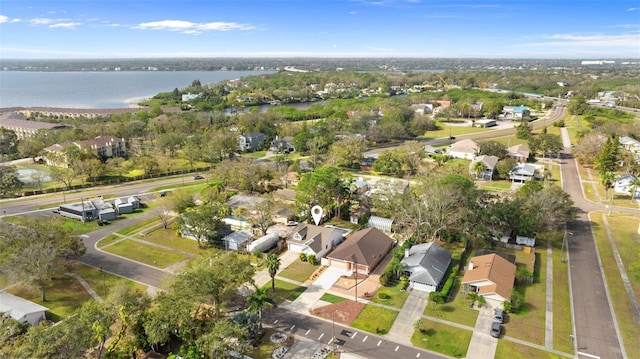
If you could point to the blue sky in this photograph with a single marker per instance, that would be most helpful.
(320, 28)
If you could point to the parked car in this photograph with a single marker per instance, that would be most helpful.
(56, 211)
(164, 193)
(103, 222)
(498, 316)
(197, 177)
(292, 224)
(496, 328)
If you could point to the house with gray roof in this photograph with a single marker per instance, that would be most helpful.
(316, 240)
(488, 171)
(426, 265)
(20, 309)
(523, 173)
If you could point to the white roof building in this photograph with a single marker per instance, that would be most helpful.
(22, 310)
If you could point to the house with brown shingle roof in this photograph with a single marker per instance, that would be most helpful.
(23, 127)
(363, 250)
(491, 277)
(520, 153)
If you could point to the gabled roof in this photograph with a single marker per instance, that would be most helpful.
(365, 246)
(466, 145)
(315, 237)
(492, 268)
(489, 162)
(524, 170)
(17, 307)
(238, 237)
(520, 150)
(430, 263)
(628, 141)
(101, 141)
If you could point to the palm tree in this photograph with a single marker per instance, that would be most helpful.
(273, 265)
(258, 300)
(477, 167)
(607, 178)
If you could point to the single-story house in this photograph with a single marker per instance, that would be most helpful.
(359, 185)
(484, 123)
(20, 309)
(422, 108)
(290, 179)
(310, 239)
(426, 265)
(284, 144)
(466, 148)
(283, 215)
(383, 224)
(630, 144)
(237, 241)
(516, 112)
(126, 204)
(488, 171)
(520, 153)
(623, 185)
(285, 195)
(362, 251)
(490, 276)
(88, 210)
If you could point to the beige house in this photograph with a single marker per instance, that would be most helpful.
(466, 148)
(520, 153)
(24, 128)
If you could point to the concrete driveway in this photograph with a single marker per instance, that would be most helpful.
(329, 277)
(483, 345)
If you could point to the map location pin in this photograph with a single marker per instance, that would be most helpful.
(316, 213)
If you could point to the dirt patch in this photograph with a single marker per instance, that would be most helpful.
(348, 282)
(342, 312)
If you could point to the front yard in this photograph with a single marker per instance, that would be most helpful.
(442, 338)
(284, 291)
(393, 295)
(298, 271)
(374, 319)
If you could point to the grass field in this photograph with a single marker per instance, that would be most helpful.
(442, 338)
(456, 311)
(102, 281)
(169, 238)
(374, 319)
(397, 297)
(330, 298)
(147, 254)
(528, 324)
(496, 186)
(298, 270)
(284, 290)
(562, 327)
(629, 328)
(510, 350)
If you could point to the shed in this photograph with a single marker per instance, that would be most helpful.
(263, 243)
(237, 241)
(383, 224)
(526, 241)
(20, 309)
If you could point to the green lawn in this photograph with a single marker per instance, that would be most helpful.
(510, 350)
(396, 296)
(284, 290)
(298, 270)
(265, 350)
(147, 254)
(496, 186)
(330, 298)
(562, 327)
(528, 324)
(76, 227)
(456, 311)
(375, 319)
(102, 281)
(629, 329)
(296, 293)
(169, 238)
(442, 338)
(63, 298)
(139, 226)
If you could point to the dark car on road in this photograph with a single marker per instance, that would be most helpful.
(496, 328)
(197, 177)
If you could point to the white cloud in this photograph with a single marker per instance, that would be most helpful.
(65, 25)
(41, 21)
(381, 49)
(621, 40)
(4, 19)
(633, 8)
(189, 27)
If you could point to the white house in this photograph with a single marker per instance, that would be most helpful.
(466, 148)
(623, 185)
(20, 309)
(127, 204)
(426, 265)
(316, 240)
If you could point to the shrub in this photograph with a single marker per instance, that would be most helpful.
(447, 286)
(311, 258)
(303, 257)
(436, 297)
(386, 278)
(383, 296)
(559, 123)
(517, 301)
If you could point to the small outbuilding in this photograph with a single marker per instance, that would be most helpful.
(237, 241)
(22, 310)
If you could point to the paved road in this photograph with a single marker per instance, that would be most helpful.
(349, 340)
(594, 323)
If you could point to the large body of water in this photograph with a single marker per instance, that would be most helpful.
(108, 89)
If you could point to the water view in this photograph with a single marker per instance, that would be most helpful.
(98, 89)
